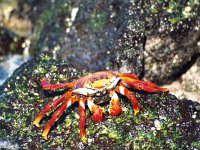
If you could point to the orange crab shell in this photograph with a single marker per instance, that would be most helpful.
(96, 84)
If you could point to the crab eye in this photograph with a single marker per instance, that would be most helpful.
(102, 76)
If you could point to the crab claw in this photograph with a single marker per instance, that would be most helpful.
(115, 109)
(45, 84)
(97, 116)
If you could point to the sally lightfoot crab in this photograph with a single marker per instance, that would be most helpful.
(96, 84)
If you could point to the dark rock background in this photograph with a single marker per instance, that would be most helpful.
(172, 45)
(104, 35)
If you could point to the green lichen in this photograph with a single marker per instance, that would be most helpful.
(196, 145)
(175, 11)
(3, 105)
(119, 120)
(96, 22)
(41, 70)
(54, 68)
(45, 57)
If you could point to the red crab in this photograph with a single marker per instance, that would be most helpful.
(95, 84)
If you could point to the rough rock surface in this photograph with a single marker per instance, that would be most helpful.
(188, 86)
(93, 35)
(111, 35)
(172, 31)
(164, 121)
(10, 50)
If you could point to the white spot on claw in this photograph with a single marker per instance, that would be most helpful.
(121, 90)
(82, 104)
(69, 104)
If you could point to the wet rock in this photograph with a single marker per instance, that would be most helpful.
(8, 65)
(172, 31)
(93, 35)
(13, 52)
(164, 121)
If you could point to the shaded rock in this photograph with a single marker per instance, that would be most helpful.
(13, 52)
(110, 35)
(164, 121)
(10, 43)
(31, 9)
(93, 35)
(188, 86)
(173, 31)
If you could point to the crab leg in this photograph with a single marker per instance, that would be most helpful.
(57, 114)
(126, 75)
(82, 115)
(48, 107)
(96, 110)
(142, 85)
(47, 86)
(115, 108)
(130, 95)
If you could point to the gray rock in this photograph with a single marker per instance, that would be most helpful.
(93, 36)
(172, 31)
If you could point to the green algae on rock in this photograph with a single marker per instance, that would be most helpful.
(163, 122)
